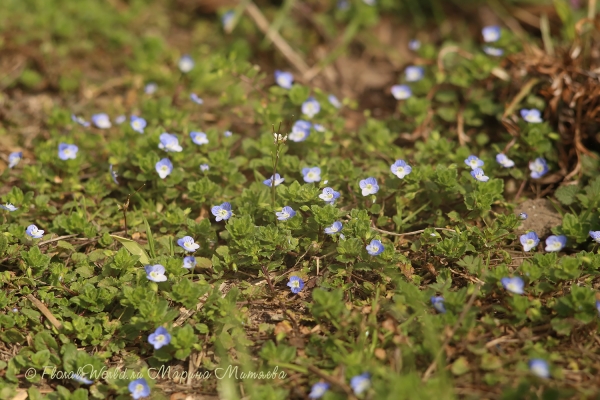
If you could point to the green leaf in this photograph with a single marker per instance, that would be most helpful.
(134, 248)
(150, 238)
(566, 194)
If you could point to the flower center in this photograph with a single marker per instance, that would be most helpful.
(512, 287)
(530, 242)
(139, 388)
(369, 186)
(295, 284)
(164, 168)
(399, 170)
(188, 245)
(154, 274)
(160, 338)
(222, 212)
(328, 196)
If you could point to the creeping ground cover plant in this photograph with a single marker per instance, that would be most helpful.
(362, 199)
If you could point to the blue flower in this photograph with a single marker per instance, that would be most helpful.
(120, 119)
(401, 92)
(101, 121)
(478, 174)
(222, 212)
(113, 174)
(186, 64)
(538, 168)
(150, 88)
(504, 161)
(311, 174)
(334, 101)
(334, 228)
(311, 107)
(360, 383)
(284, 79)
(318, 390)
(276, 181)
(529, 240)
(513, 285)
(523, 216)
(492, 51)
(169, 142)
(14, 158)
(597, 306)
(300, 131)
(491, 33)
(329, 195)
(318, 127)
(227, 19)
(79, 120)
(296, 284)
(474, 162)
(343, 5)
(164, 168)
(375, 248)
(81, 379)
(34, 232)
(9, 207)
(138, 124)
(199, 138)
(414, 73)
(533, 116)
(539, 367)
(595, 235)
(204, 167)
(414, 45)
(139, 388)
(194, 97)
(400, 168)
(369, 186)
(227, 133)
(159, 338)
(189, 262)
(556, 243)
(187, 243)
(155, 273)
(286, 213)
(67, 151)
(438, 304)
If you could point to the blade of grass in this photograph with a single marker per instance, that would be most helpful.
(150, 238)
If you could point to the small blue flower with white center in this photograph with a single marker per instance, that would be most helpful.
(438, 304)
(513, 285)
(523, 216)
(375, 248)
(400, 168)
(504, 161)
(155, 273)
(369, 186)
(334, 101)
(150, 88)
(79, 120)
(286, 213)
(34, 232)
(188, 244)
(595, 235)
(186, 64)
(300, 131)
(169, 142)
(113, 174)
(189, 262)
(296, 284)
(101, 121)
(556, 243)
(318, 390)
(139, 388)
(414, 73)
(311, 174)
(539, 368)
(490, 33)
(284, 79)
(401, 92)
(222, 212)
(360, 383)
(81, 379)
(159, 338)
(194, 97)
(227, 19)
(311, 107)
(138, 124)
(533, 116)
(14, 158)
(199, 138)
(274, 181)
(334, 228)
(204, 167)
(474, 162)
(538, 167)
(8, 207)
(493, 51)
(414, 45)
(120, 119)
(164, 168)
(478, 174)
(67, 151)
(319, 128)
(329, 195)
(227, 133)
(529, 240)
